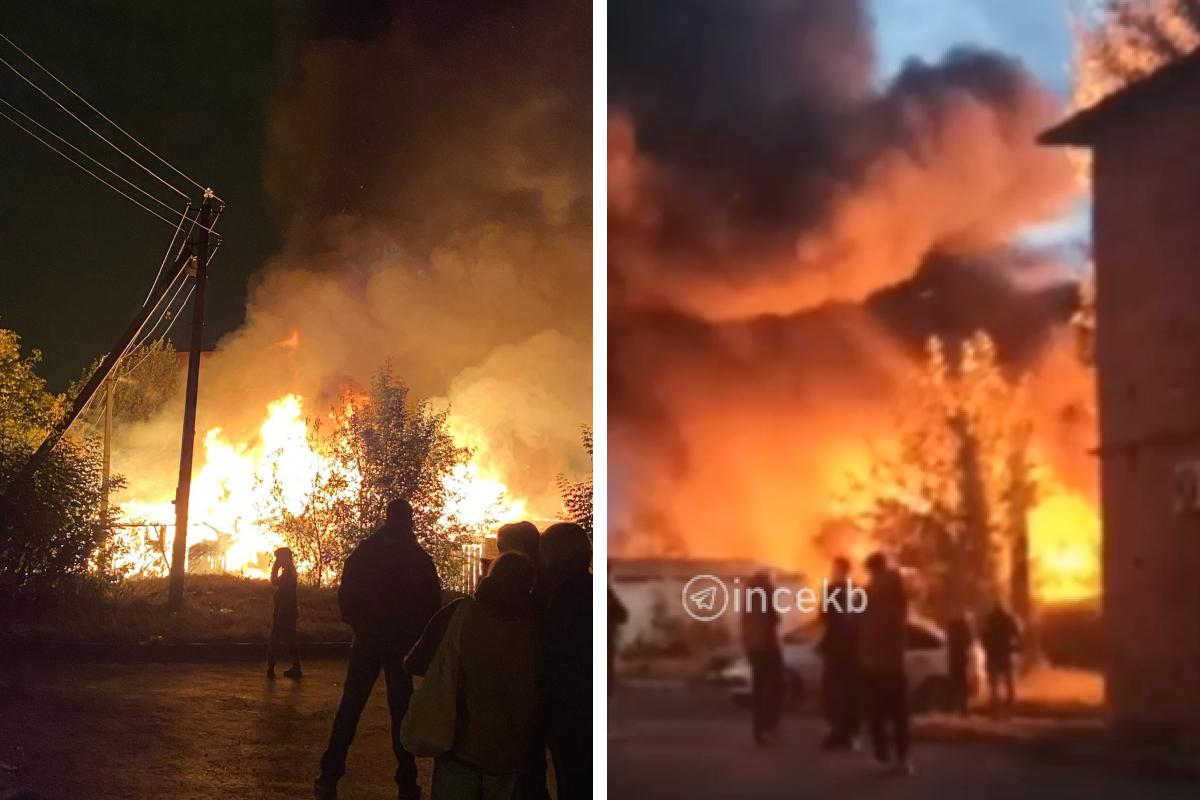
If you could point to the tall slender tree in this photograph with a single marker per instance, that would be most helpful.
(951, 493)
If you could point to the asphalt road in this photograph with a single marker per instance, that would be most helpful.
(673, 742)
(189, 731)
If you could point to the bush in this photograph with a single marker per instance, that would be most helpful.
(51, 538)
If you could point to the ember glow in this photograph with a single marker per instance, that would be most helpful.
(231, 492)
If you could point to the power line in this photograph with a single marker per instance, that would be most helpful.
(102, 115)
(97, 162)
(166, 331)
(82, 122)
(167, 254)
(128, 197)
(166, 314)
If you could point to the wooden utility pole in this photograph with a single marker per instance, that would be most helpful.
(183, 491)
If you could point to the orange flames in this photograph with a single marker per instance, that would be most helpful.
(231, 495)
(1064, 547)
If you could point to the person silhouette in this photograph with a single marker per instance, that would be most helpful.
(389, 592)
(760, 640)
(565, 640)
(881, 645)
(286, 614)
(496, 693)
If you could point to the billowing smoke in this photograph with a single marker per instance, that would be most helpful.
(431, 164)
(784, 234)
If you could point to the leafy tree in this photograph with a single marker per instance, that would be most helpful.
(50, 532)
(952, 492)
(1120, 41)
(146, 378)
(382, 445)
(578, 496)
(322, 531)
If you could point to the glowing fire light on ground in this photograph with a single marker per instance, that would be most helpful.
(233, 488)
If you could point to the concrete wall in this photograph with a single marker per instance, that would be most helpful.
(1147, 246)
(640, 598)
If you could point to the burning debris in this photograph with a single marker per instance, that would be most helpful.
(785, 234)
(457, 254)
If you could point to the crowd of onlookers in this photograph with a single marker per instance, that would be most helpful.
(507, 671)
(864, 681)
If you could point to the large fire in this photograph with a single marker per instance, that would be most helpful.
(232, 494)
(1064, 545)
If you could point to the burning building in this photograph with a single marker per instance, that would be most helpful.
(786, 229)
(431, 170)
(1146, 183)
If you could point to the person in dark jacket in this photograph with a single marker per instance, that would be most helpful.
(960, 639)
(839, 660)
(760, 639)
(524, 537)
(497, 690)
(565, 645)
(389, 592)
(286, 614)
(882, 630)
(1001, 638)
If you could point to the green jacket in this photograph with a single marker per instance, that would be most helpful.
(497, 691)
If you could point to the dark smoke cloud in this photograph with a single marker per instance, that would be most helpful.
(784, 235)
(432, 163)
(777, 199)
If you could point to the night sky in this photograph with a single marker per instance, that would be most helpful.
(192, 82)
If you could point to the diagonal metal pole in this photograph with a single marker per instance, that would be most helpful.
(103, 372)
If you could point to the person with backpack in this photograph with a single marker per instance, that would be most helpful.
(478, 658)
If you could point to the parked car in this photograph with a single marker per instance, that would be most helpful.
(926, 661)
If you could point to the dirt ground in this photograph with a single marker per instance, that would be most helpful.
(217, 608)
(192, 731)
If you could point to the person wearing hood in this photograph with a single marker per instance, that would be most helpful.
(524, 537)
(497, 691)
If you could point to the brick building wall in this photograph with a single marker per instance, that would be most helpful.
(1146, 183)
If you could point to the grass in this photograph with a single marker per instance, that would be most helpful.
(217, 608)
